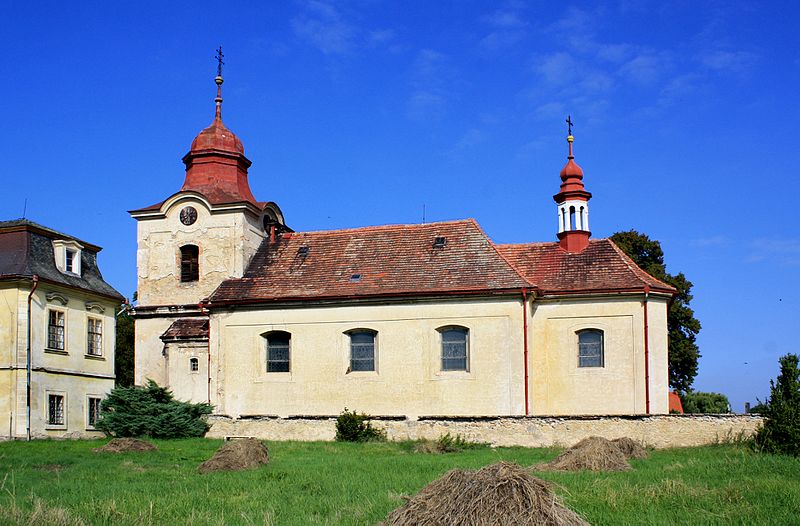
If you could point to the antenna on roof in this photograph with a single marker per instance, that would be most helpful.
(423, 213)
(25, 208)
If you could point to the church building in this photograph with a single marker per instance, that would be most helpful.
(237, 309)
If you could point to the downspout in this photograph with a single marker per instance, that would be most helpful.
(205, 311)
(35, 280)
(646, 354)
(525, 346)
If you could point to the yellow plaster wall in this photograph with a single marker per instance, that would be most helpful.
(12, 298)
(408, 380)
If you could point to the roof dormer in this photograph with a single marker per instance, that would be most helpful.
(67, 255)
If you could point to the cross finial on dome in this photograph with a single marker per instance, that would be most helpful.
(570, 138)
(219, 56)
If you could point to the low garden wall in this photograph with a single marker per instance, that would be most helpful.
(659, 431)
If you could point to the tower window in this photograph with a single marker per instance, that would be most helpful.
(190, 270)
(572, 218)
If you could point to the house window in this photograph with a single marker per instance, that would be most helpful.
(362, 350)
(278, 344)
(194, 365)
(69, 262)
(455, 346)
(55, 410)
(190, 270)
(590, 348)
(93, 410)
(94, 337)
(55, 330)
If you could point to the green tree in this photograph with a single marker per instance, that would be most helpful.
(151, 411)
(681, 323)
(781, 430)
(699, 402)
(123, 353)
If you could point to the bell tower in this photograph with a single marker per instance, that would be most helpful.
(572, 202)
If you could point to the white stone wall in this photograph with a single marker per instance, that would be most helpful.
(661, 431)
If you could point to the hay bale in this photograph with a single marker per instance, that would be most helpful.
(590, 454)
(123, 445)
(630, 447)
(499, 494)
(235, 455)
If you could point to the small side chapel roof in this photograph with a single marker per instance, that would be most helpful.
(601, 266)
(186, 329)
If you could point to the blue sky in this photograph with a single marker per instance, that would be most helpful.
(364, 112)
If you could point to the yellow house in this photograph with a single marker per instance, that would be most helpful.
(57, 324)
(238, 310)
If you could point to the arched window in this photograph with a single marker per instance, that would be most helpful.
(572, 218)
(278, 351)
(190, 270)
(194, 365)
(582, 220)
(362, 349)
(590, 348)
(455, 348)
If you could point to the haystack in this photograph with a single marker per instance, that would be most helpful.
(630, 447)
(123, 445)
(591, 454)
(499, 494)
(235, 455)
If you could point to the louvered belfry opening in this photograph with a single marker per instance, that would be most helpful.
(190, 269)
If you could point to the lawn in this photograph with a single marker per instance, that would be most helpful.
(64, 482)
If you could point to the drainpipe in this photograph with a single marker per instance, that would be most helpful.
(525, 346)
(205, 311)
(35, 281)
(646, 354)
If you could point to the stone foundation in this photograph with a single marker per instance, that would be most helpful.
(658, 431)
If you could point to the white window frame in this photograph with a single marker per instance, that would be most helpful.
(60, 249)
(89, 398)
(192, 361)
(48, 423)
(64, 333)
(89, 336)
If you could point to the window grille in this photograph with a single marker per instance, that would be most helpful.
(194, 365)
(55, 410)
(190, 269)
(278, 352)
(94, 411)
(55, 330)
(590, 348)
(94, 344)
(362, 351)
(454, 348)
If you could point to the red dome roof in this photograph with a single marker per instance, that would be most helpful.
(217, 137)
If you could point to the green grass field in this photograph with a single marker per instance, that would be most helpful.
(52, 482)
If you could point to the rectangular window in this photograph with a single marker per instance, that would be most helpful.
(55, 330)
(93, 410)
(454, 348)
(94, 337)
(278, 352)
(362, 351)
(55, 410)
(190, 268)
(590, 348)
(69, 263)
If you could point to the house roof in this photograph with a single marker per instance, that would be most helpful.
(374, 261)
(26, 249)
(602, 266)
(187, 329)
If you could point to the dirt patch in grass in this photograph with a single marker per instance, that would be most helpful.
(590, 454)
(51, 468)
(123, 445)
(235, 455)
(499, 494)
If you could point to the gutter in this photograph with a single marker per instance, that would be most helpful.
(35, 281)
(646, 353)
(205, 311)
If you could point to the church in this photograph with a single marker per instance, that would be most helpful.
(238, 310)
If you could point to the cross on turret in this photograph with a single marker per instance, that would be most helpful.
(219, 56)
(569, 125)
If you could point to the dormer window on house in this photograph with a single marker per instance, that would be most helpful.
(67, 256)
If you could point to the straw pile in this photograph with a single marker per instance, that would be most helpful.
(123, 445)
(235, 455)
(596, 454)
(502, 494)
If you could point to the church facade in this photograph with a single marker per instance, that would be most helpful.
(237, 309)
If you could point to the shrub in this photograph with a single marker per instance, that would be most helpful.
(781, 430)
(352, 427)
(448, 443)
(151, 411)
(699, 402)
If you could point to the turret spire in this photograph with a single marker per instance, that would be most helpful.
(572, 202)
(218, 101)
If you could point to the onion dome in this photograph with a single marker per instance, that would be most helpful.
(573, 204)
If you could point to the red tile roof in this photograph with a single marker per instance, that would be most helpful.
(602, 266)
(187, 329)
(374, 261)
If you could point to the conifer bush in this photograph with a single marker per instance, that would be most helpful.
(354, 427)
(781, 430)
(151, 411)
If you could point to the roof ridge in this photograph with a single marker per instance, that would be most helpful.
(382, 227)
